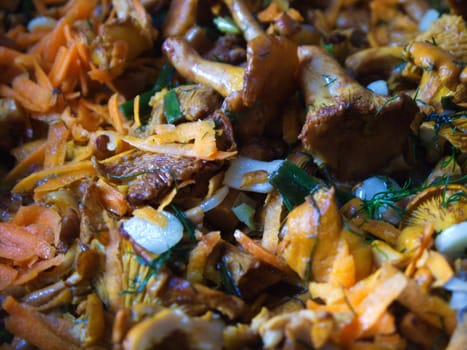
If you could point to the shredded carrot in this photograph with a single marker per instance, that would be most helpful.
(116, 117)
(113, 199)
(262, 254)
(7, 276)
(37, 97)
(30, 181)
(51, 44)
(136, 112)
(8, 56)
(176, 140)
(56, 145)
(62, 63)
(28, 163)
(38, 267)
(20, 246)
(46, 221)
(39, 330)
(63, 181)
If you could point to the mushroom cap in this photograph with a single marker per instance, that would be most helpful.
(442, 205)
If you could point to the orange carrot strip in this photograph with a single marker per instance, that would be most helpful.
(6, 91)
(8, 56)
(45, 220)
(41, 98)
(42, 78)
(62, 181)
(17, 244)
(31, 160)
(112, 198)
(37, 268)
(42, 331)
(116, 116)
(56, 145)
(53, 41)
(7, 276)
(79, 9)
(30, 181)
(262, 254)
(59, 58)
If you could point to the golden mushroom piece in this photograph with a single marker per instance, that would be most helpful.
(442, 205)
(348, 128)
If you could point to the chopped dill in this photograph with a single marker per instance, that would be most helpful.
(328, 80)
(389, 198)
(138, 284)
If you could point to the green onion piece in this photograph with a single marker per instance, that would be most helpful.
(165, 77)
(187, 224)
(163, 80)
(226, 25)
(144, 108)
(172, 110)
(329, 48)
(245, 213)
(293, 183)
(227, 279)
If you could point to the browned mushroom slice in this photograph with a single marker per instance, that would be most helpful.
(378, 61)
(119, 43)
(180, 18)
(271, 71)
(223, 78)
(250, 275)
(197, 298)
(150, 176)
(244, 19)
(12, 123)
(174, 329)
(348, 128)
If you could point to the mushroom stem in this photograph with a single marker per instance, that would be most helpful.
(224, 78)
(244, 19)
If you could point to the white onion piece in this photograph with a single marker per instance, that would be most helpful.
(458, 300)
(456, 284)
(215, 199)
(41, 23)
(453, 240)
(153, 237)
(242, 165)
(379, 87)
(428, 18)
(370, 187)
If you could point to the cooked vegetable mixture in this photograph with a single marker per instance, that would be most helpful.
(233, 174)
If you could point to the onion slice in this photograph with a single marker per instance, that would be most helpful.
(453, 240)
(155, 236)
(241, 166)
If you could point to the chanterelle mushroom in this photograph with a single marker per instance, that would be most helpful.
(350, 129)
(267, 81)
(170, 327)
